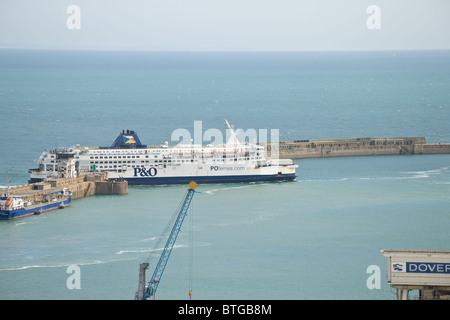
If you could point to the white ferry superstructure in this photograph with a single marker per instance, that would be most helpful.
(139, 164)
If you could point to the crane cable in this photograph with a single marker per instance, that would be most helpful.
(163, 237)
(191, 248)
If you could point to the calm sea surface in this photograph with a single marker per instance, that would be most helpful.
(309, 239)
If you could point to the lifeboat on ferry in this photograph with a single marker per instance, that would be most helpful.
(8, 202)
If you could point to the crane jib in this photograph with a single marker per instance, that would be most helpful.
(159, 270)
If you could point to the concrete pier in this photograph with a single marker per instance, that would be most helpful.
(85, 185)
(111, 187)
(300, 149)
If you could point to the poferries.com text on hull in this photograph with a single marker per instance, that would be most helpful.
(139, 164)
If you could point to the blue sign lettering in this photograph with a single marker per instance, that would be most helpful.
(427, 267)
(150, 172)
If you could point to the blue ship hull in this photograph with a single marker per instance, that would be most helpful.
(209, 179)
(19, 213)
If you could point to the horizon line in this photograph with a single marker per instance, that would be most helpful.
(217, 50)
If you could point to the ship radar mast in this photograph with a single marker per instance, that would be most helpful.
(232, 141)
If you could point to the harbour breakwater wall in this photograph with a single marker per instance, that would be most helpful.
(300, 149)
(85, 185)
(95, 183)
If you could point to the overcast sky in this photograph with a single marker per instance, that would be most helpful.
(243, 25)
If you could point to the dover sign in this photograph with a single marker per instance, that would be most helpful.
(418, 267)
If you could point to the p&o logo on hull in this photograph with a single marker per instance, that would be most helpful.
(142, 172)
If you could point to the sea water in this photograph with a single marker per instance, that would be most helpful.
(314, 238)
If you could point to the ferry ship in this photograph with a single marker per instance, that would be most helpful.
(140, 164)
(12, 207)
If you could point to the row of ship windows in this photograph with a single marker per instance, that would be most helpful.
(163, 161)
(138, 157)
(118, 167)
(120, 157)
(145, 151)
(142, 161)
